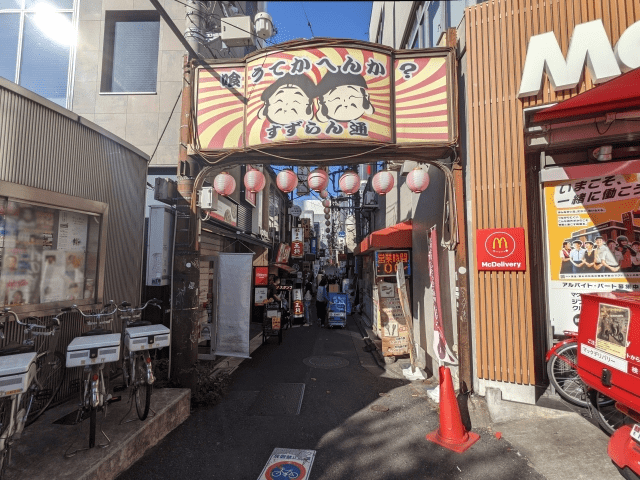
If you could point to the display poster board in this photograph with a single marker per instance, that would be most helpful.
(394, 330)
(592, 228)
(260, 295)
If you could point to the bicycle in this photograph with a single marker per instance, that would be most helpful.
(92, 350)
(139, 337)
(33, 386)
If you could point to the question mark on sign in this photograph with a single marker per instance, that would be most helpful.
(408, 68)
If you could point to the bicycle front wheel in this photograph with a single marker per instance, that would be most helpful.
(565, 378)
(5, 420)
(142, 389)
(604, 410)
(48, 381)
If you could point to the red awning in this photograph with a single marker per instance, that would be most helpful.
(397, 236)
(284, 267)
(621, 93)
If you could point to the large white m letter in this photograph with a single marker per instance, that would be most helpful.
(589, 42)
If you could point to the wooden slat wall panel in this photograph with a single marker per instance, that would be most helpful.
(497, 34)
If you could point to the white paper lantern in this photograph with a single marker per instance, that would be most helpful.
(327, 216)
(349, 182)
(383, 182)
(318, 180)
(224, 184)
(287, 181)
(327, 210)
(418, 180)
(327, 223)
(326, 203)
(324, 194)
(254, 181)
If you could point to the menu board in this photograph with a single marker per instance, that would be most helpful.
(394, 331)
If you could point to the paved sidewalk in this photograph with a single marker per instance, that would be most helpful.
(560, 440)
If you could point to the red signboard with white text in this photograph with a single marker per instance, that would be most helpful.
(297, 249)
(501, 249)
(262, 275)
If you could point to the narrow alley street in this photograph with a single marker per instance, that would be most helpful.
(234, 439)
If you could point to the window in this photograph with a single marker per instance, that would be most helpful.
(47, 254)
(130, 56)
(37, 38)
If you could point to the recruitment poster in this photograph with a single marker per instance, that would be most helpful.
(593, 233)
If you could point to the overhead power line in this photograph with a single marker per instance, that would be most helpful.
(308, 22)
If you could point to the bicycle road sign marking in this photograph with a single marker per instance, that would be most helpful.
(287, 463)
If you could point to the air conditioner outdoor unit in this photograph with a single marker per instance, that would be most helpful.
(237, 31)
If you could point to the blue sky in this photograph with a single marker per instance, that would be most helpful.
(328, 19)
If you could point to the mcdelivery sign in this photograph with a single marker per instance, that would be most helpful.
(501, 249)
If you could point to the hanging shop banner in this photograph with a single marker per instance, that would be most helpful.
(313, 245)
(501, 249)
(387, 262)
(593, 228)
(440, 346)
(297, 234)
(284, 251)
(314, 91)
(297, 249)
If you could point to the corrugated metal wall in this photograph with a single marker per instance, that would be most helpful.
(44, 149)
(497, 34)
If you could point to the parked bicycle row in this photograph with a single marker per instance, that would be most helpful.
(32, 373)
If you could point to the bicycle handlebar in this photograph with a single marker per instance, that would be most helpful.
(125, 307)
(32, 326)
(108, 316)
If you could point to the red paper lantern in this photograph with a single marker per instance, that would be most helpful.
(326, 203)
(254, 181)
(224, 184)
(318, 179)
(383, 182)
(349, 182)
(324, 194)
(287, 181)
(418, 180)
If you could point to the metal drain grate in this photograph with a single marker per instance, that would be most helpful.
(325, 362)
(278, 399)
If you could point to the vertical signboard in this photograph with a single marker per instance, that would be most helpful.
(303, 183)
(297, 242)
(593, 227)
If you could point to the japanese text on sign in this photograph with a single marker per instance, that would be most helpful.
(387, 262)
(597, 190)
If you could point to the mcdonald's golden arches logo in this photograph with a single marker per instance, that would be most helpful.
(501, 249)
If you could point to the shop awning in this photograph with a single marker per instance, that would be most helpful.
(397, 236)
(284, 267)
(621, 93)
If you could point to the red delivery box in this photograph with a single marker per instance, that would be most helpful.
(609, 345)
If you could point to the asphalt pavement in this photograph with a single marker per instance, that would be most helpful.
(234, 439)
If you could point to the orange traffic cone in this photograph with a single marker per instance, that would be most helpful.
(451, 434)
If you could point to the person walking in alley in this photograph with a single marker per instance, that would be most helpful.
(308, 296)
(321, 301)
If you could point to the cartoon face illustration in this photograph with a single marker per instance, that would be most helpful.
(342, 97)
(288, 99)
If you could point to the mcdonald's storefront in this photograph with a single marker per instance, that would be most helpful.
(553, 174)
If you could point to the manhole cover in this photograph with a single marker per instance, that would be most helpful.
(379, 408)
(326, 362)
(278, 399)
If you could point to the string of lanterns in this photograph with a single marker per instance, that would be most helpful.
(287, 181)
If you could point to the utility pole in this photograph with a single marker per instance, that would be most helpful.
(465, 360)
(186, 262)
